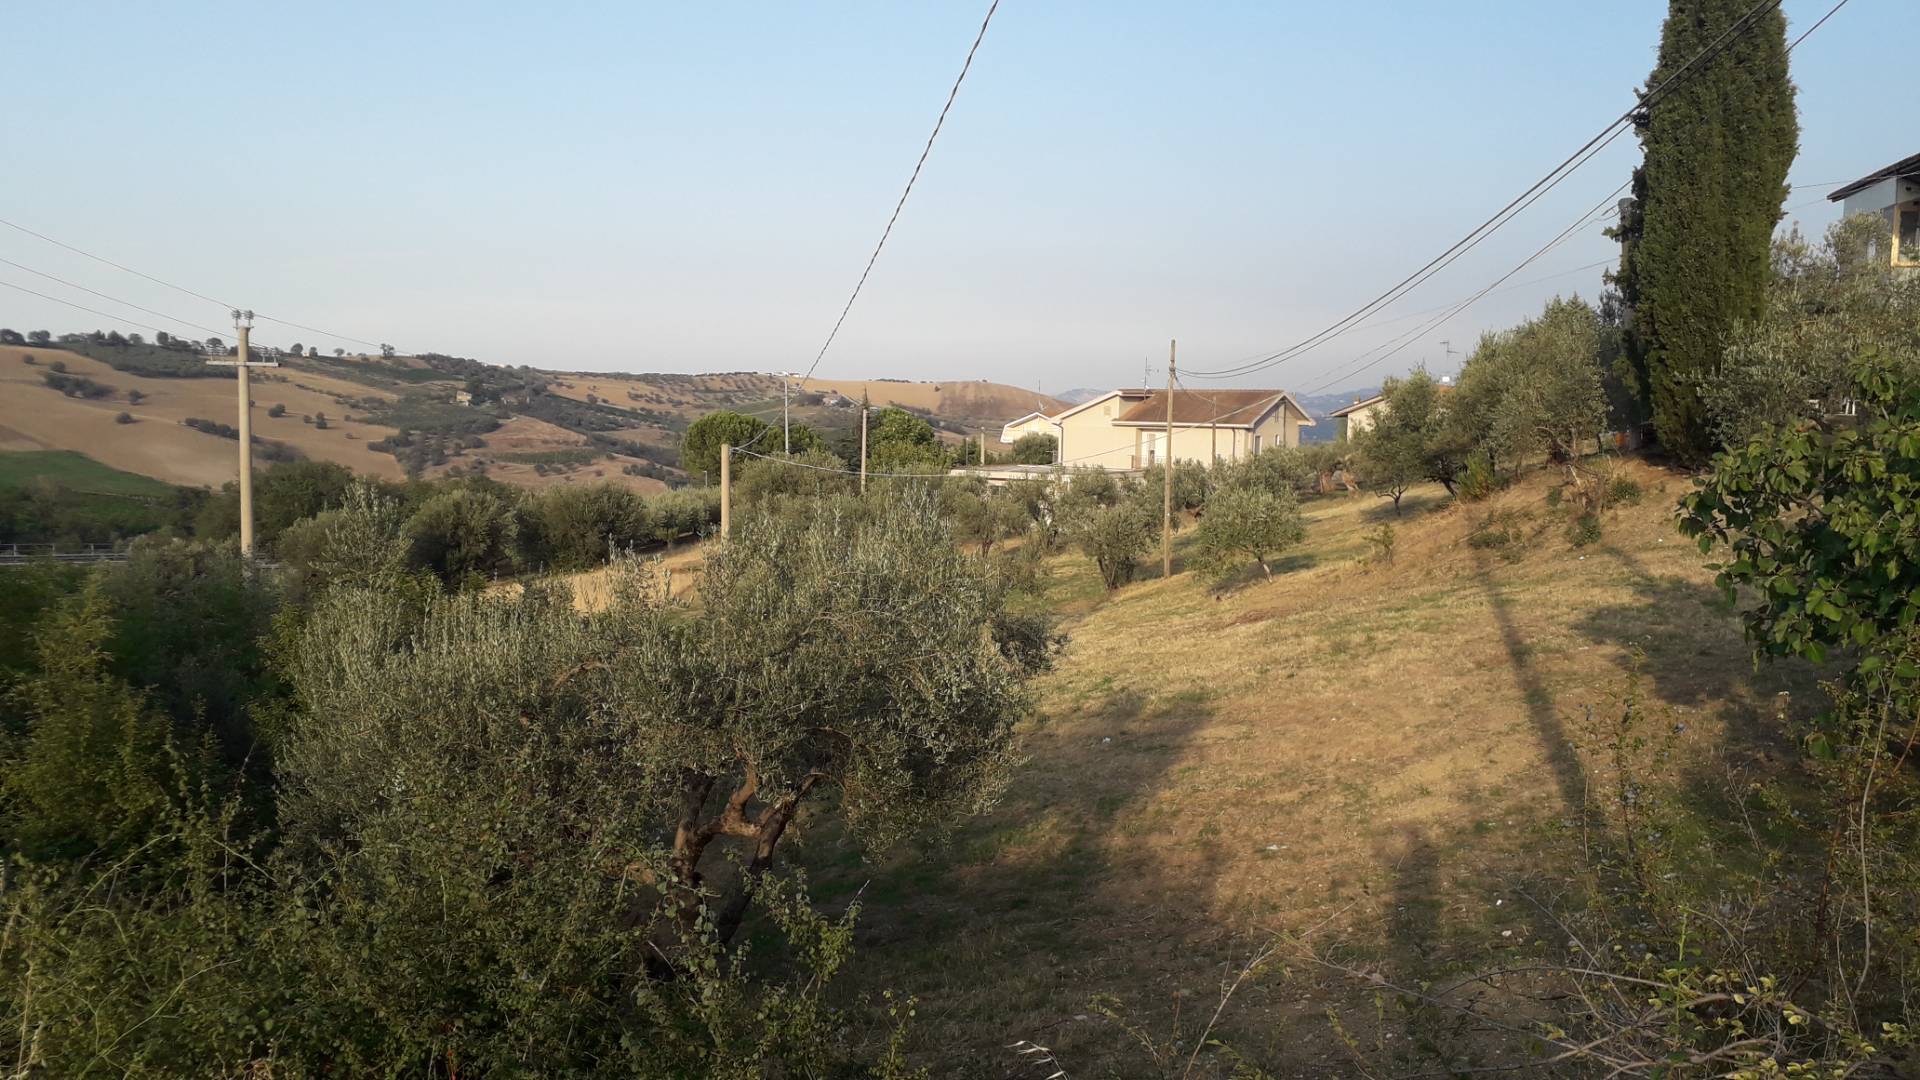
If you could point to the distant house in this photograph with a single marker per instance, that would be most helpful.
(1891, 194)
(1366, 412)
(1034, 423)
(1357, 417)
(462, 397)
(1210, 425)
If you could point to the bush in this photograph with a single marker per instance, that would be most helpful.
(135, 397)
(1479, 480)
(1624, 490)
(277, 411)
(58, 365)
(1502, 532)
(76, 386)
(1380, 543)
(1584, 529)
(123, 418)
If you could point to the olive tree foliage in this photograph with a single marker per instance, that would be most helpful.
(571, 526)
(464, 535)
(1035, 448)
(1824, 304)
(810, 474)
(1406, 443)
(1537, 388)
(700, 447)
(898, 441)
(983, 515)
(1115, 537)
(1246, 522)
(846, 658)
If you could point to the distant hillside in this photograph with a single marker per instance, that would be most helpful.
(1079, 395)
(429, 415)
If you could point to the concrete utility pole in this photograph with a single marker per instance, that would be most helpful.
(243, 325)
(983, 448)
(726, 490)
(1166, 496)
(786, 426)
(865, 407)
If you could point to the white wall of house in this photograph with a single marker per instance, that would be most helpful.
(1037, 425)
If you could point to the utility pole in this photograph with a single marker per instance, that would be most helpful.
(1166, 462)
(786, 425)
(983, 448)
(243, 325)
(865, 407)
(726, 490)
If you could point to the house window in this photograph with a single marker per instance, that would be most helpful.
(1906, 237)
(1256, 444)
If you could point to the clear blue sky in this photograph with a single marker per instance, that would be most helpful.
(695, 187)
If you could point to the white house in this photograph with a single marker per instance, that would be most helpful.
(1891, 194)
(1126, 429)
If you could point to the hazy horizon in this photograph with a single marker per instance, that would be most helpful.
(680, 190)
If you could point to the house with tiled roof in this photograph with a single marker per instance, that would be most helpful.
(1891, 194)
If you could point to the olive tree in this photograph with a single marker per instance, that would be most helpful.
(1248, 523)
(852, 658)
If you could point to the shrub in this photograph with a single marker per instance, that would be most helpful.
(1502, 532)
(58, 365)
(320, 421)
(1478, 480)
(135, 397)
(76, 386)
(277, 411)
(29, 360)
(1381, 542)
(123, 418)
(1624, 490)
(1584, 529)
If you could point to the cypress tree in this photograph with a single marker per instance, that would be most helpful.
(1707, 195)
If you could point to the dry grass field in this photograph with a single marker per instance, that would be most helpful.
(35, 417)
(1384, 758)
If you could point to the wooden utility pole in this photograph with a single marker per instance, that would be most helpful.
(243, 325)
(726, 490)
(865, 407)
(1166, 462)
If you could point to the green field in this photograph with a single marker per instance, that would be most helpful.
(76, 472)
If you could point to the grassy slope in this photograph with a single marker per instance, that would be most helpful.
(1379, 756)
(32, 416)
(77, 472)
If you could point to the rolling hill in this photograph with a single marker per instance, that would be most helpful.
(387, 417)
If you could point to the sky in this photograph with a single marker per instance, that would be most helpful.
(696, 187)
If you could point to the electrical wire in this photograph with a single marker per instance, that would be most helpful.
(924, 151)
(115, 299)
(92, 311)
(1506, 213)
(115, 265)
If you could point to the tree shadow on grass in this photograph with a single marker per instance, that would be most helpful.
(1030, 910)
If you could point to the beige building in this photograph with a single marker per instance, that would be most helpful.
(1357, 417)
(1891, 194)
(1034, 423)
(1212, 425)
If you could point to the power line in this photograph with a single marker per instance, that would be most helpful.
(115, 299)
(115, 265)
(83, 307)
(1512, 209)
(888, 231)
(1564, 234)
(160, 281)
